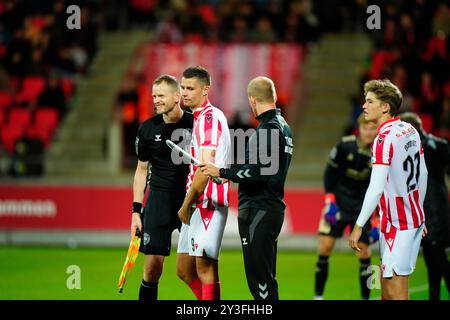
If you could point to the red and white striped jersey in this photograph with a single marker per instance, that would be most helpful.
(211, 131)
(398, 146)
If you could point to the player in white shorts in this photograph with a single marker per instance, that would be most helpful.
(397, 185)
(205, 208)
(399, 251)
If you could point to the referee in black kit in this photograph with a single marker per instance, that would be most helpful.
(261, 188)
(167, 181)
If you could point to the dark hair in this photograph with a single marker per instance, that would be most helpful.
(387, 92)
(413, 119)
(170, 80)
(198, 72)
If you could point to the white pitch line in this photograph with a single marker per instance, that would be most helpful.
(420, 288)
(411, 290)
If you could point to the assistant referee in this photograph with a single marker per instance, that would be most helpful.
(167, 180)
(261, 188)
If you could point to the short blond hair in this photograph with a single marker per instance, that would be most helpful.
(362, 120)
(170, 80)
(262, 89)
(387, 92)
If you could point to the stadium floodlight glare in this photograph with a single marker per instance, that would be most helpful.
(132, 254)
(187, 156)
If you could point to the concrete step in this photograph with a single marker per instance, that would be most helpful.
(86, 134)
(73, 167)
(331, 73)
(80, 150)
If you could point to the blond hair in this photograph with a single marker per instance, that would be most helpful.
(362, 120)
(262, 89)
(170, 80)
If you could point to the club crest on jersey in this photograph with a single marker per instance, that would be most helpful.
(380, 140)
(158, 137)
(208, 117)
(146, 239)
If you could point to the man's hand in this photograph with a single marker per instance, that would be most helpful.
(136, 223)
(209, 169)
(354, 238)
(185, 214)
(424, 232)
(331, 210)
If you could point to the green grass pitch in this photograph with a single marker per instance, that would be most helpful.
(41, 273)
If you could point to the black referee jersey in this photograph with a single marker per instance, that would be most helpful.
(258, 188)
(151, 146)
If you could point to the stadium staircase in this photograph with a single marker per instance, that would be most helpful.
(331, 76)
(86, 145)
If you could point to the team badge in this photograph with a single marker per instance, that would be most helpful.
(380, 140)
(146, 239)
(208, 117)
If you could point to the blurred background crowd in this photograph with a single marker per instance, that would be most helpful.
(42, 62)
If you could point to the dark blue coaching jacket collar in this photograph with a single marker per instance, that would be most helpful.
(269, 114)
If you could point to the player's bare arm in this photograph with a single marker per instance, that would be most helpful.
(378, 180)
(197, 188)
(140, 180)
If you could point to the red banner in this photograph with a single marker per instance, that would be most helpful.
(108, 208)
(231, 67)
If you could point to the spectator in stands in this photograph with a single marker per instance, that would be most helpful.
(18, 54)
(167, 30)
(263, 31)
(127, 101)
(53, 96)
(411, 49)
(36, 66)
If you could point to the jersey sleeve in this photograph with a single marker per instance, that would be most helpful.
(142, 151)
(382, 150)
(209, 131)
(373, 194)
(256, 169)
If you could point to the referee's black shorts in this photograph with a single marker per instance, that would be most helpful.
(337, 230)
(159, 220)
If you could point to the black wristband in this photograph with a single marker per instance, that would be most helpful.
(222, 172)
(137, 207)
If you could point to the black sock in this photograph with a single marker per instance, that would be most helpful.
(364, 275)
(148, 291)
(321, 275)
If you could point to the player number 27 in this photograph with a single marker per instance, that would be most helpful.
(413, 167)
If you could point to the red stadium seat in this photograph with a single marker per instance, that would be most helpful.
(47, 117)
(40, 132)
(5, 100)
(19, 116)
(31, 89)
(67, 87)
(9, 134)
(2, 51)
(2, 117)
